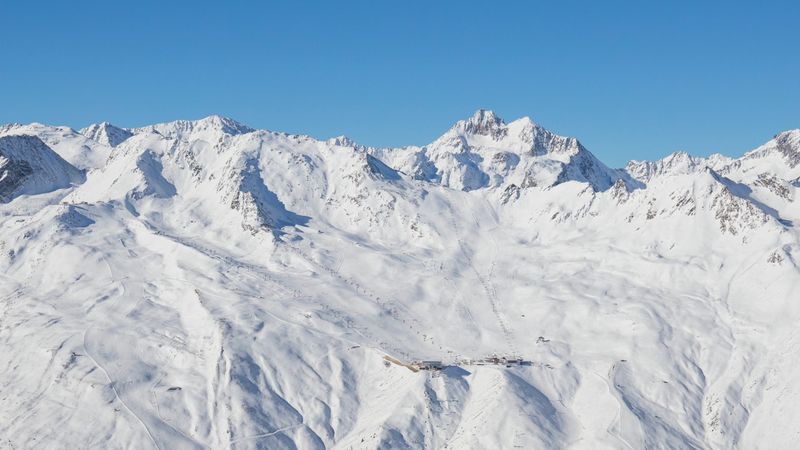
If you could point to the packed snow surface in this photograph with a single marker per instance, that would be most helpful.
(201, 284)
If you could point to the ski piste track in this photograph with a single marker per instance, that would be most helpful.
(486, 284)
(391, 307)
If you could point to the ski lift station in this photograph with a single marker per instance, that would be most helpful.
(494, 360)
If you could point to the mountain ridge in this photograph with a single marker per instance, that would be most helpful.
(480, 121)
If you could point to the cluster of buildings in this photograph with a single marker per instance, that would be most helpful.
(493, 360)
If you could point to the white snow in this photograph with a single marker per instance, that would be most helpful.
(203, 284)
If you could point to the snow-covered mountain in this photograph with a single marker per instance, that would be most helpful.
(485, 152)
(106, 134)
(203, 284)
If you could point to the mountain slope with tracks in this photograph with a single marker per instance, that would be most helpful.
(202, 284)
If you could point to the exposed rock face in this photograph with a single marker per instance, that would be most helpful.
(245, 190)
(779, 187)
(484, 123)
(735, 214)
(788, 143)
(12, 177)
(620, 191)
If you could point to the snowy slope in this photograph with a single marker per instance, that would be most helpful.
(201, 284)
(29, 167)
(75, 148)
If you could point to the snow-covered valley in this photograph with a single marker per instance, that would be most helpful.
(201, 284)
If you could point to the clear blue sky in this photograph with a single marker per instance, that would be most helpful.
(629, 79)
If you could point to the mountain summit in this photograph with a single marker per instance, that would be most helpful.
(107, 134)
(485, 152)
(208, 124)
(483, 122)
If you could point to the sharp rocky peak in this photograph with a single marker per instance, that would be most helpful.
(342, 141)
(484, 122)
